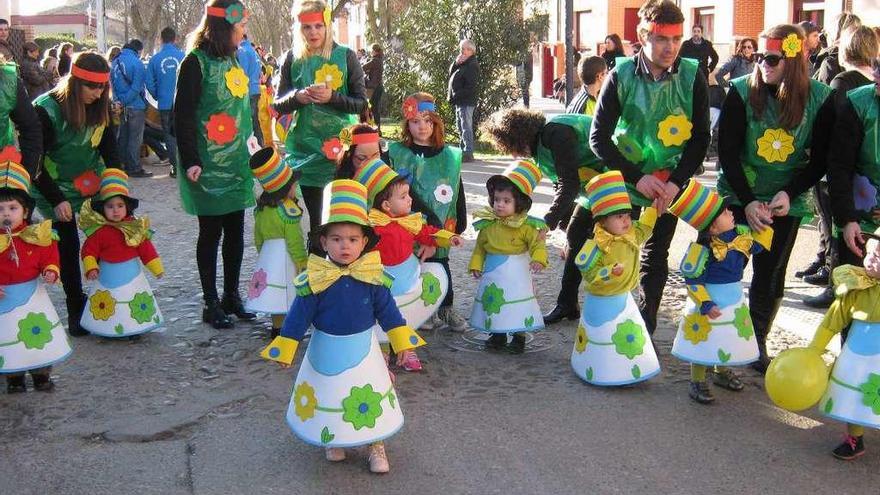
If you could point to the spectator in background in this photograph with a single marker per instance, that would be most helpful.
(812, 45)
(5, 47)
(700, 49)
(128, 76)
(113, 52)
(161, 82)
(50, 63)
(250, 64)
(362, 55)
(36, 80)
(64, 57)
(373, 71)
(740, 64)
(524, 74)
(613, 49)
(464, 84)
(829, 66)
(592, 72)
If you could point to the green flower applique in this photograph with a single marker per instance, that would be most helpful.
(142, 307)
(628, 339)
(430, 289)
(743, 322)
(362, 407)
(35, 331)
(871, 392)
(492, 299)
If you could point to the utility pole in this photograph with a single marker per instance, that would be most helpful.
(125, 15)
(569, 50)
(101, 34)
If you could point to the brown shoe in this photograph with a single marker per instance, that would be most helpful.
(378, 459)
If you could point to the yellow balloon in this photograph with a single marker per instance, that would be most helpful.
(796, 379)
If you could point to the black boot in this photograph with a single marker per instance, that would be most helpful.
(822, 300)
(851, 448)
(820, 278)
(726, 378)
(214, 314)
(518, 343)
(496, 341)
(700, 392)
(560, 313)
(233, 305)
(15, 384)
(75, 308)
(274, 333)
(810, 269)
(43, 381)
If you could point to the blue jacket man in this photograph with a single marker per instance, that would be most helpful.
(162, 83)
(127, 77)
(253, 68)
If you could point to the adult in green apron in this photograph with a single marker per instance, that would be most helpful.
(774, 130)
(652, 124)
(561, 148)
(434, 173)
(214, 131)
(322, 82)
(77, 146)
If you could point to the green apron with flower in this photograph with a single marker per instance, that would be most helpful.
(866, 184)
(224, 125)
(655, 119)
(433, 180)
(588, 163)
(72, 160)
(316, 124)
(8, 99)
(772, 155)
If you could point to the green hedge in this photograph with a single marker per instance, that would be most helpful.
(49, 40)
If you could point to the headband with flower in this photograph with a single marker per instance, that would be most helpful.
(791, 45)
(325, 16)
(233, 14)
(340, 143)
(412, 107)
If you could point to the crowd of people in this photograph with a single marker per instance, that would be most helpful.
(372, 265)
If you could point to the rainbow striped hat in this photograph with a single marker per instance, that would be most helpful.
(607, 194)
(114, 182)
(697, 205)
(375, 176)
(14, 176)
(347, 203)
(524, 174)
(267, 167)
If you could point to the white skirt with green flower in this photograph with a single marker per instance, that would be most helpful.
(31, 334)
(271, 287)
(418, 290)
(853, 393)
(612, 346)
(121, 303)
(343, 395)
(728, 340)
(505, 299)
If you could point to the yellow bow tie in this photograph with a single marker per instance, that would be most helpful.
(135, 231)
(604, 239)
(413, 222)
(323, 273)
(38, 235)
(516, 221)
(848, 278)
(741, 243)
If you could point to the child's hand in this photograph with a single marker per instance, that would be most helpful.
(714, 313)
(617, 269)
(536, 267)
(92, 274)
(476, 273)
(426, 252)
(456, 241)
(50, 277)
(660, 205)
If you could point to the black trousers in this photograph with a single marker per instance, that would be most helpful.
(313, 197)
(68, 249)
(768, 267)
(828, 246)
(211, 228)
(580, 228)
(655, 267)
(375, 102)
(447, 301)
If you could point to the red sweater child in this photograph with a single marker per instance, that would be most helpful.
(37, 252)
(398, 236)
(108, 243)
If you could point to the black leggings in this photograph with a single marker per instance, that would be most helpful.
(68, 249)
(580, 228)
(231, 227)
(313, 197)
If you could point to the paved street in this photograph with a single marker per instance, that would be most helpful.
(195, 410)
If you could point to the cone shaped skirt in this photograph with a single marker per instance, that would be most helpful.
(121, 303)
(853, 393)
(418, 290)
(505, 299)
(31, 334)
(271, 287)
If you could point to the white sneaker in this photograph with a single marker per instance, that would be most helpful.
(433, 323)
(455, 322)
(378, 459)
(335, 454)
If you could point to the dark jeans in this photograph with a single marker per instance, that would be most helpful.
(167, 117)
(68, 249)
(231, 227)
(255, 117)
(313, 197)
(447, 301)
(827, 246)
(580, 228)
(768, 267)
(655, 267)
(375, 101)
(525, 93)
(155, 139)
(131, 136)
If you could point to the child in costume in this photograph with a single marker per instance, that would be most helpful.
(717, 328)
(509, 246)
(122, 303)
(32, 337)
(343, 395)
(435, 172)
(278, 238)
(853, 393)
(612, 345)
(418, 288)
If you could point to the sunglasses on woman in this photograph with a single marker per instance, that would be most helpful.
(771, 60)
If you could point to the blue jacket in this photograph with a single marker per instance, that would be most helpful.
(127, 78)
(162, 75)
(250, 64)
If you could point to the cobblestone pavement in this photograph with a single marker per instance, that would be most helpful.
(194, 410)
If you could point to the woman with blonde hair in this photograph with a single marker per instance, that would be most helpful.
(324, 83)
(774, 129)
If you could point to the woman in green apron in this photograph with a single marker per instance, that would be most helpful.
(322, 82)
(214, 129)
(77, 146)
(773, 133)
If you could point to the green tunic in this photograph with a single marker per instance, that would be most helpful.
(588, 163)
(72, 160)
(655, 120)
(316, 124)
(8, 99)
(771, 155)
(226, 183)
(282, 222)
(865, 102)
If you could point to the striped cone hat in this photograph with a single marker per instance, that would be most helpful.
(14, 176)
(114, 182)
(697, 205)
(375, 176)
(524, 175)
(607, 194)
(267, 167)
(347, 203)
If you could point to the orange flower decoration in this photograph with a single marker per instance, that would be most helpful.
(449, 224)
(88, 183)
(10, 154)
(221, 128)
(332, 148)
(410, 108)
